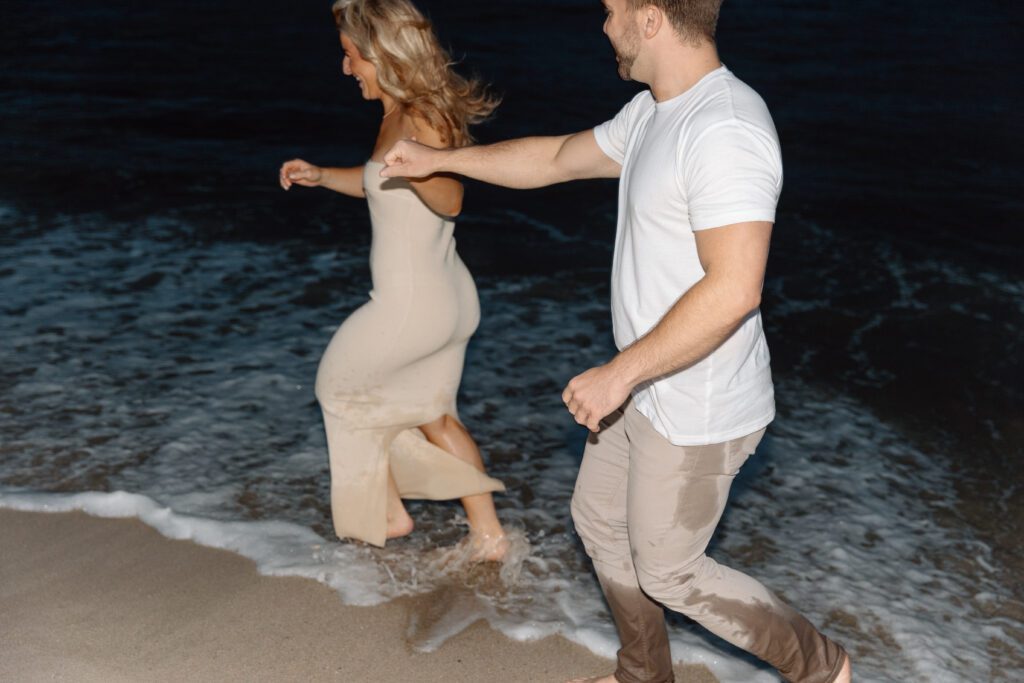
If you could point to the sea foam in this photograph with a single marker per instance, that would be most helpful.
(185, 400)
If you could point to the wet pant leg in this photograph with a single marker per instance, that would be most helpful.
(599, 513)
(674, 497)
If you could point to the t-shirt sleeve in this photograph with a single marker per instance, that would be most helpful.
(613, 134)
(732, 174)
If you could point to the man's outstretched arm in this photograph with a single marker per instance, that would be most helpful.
(734, 259)
(522, 164)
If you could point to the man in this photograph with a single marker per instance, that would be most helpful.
(686, 401)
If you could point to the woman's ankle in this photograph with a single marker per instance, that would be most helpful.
(399, 524)
(487, 546)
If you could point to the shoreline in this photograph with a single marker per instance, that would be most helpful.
(87, 598)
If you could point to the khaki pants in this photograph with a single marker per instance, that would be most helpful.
(646, 510)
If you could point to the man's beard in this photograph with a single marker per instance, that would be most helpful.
(627, 55)
(625, 65)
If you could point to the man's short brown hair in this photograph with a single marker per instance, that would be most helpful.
(693, 20)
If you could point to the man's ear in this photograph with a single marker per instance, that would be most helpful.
(653, 20)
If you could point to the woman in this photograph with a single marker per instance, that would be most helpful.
(388, 379)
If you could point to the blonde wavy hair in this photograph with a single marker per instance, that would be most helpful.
(412, 67)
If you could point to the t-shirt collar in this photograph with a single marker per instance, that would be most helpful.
(673, 102)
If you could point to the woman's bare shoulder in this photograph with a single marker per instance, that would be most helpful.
(420, 127)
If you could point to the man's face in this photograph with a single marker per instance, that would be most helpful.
(621, 28)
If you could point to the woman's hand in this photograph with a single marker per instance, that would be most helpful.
(299, 172)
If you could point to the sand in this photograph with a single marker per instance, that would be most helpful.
(90, 599)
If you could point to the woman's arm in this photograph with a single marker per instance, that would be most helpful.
(441, 192)
(348, 181)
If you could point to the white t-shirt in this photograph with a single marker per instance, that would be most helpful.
(703, 159)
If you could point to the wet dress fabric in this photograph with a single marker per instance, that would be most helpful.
(395, 363)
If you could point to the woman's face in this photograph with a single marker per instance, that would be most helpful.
(363, 71)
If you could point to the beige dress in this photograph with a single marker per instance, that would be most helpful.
(395, 363)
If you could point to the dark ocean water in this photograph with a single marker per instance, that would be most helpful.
(895, 278)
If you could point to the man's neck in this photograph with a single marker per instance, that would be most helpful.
(680, 66)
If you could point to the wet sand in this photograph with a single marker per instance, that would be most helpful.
(90, 599)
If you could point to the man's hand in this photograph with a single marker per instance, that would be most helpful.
(596, 393)
(410, 159)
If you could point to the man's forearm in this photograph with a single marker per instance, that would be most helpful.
(523, 163)
(697, 324)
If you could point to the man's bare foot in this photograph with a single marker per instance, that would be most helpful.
(845, 676)
(846, 673)
(399, 524)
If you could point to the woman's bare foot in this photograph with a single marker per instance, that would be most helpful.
(505, 552)
(487, 547)
(599, 679)
(399, 522)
